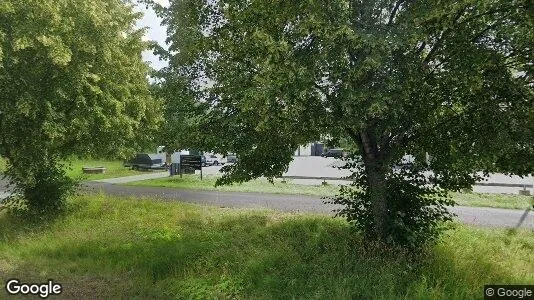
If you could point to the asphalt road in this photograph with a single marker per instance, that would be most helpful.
(316, 166)
(487, 217)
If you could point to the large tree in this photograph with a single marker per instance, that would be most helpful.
(72, 81)
(449, 82)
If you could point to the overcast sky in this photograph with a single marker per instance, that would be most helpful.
(154, 32)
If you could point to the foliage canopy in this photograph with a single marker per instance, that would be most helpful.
(72, 81)
(449, 82)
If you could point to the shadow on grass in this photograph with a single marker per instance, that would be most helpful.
(129, 249)
(16, 223)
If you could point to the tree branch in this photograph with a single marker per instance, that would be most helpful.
(501, 9)
(421, 48)
(434, 48)
(394, 12)
(355, 137)
(442, 36)
(487, 28)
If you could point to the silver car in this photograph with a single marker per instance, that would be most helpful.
(214, 160)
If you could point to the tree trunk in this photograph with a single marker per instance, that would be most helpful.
(376, 177)
(378, 194)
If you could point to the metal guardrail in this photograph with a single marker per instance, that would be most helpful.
(519, 185)
(316, 178)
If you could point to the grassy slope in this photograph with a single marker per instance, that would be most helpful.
(111, 247)
(263, 186)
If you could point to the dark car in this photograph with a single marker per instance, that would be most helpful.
(231, 158)
(144, 161)
(334, 153)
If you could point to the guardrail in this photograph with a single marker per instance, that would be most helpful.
(519, 185)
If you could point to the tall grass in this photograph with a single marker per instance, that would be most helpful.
(124, 248)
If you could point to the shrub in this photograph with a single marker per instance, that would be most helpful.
(416, 208)
(40, 188)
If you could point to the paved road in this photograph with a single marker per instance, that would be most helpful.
(490, 217)
(325, 167)
(133, 178)
(313, 166)
(289, 203)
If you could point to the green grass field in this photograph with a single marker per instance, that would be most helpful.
(114, 168)
(493, 200)
(254, 186)
(263, 186)
(125, 248)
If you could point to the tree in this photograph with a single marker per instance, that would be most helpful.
(449, 82)
(72, 82)
(182, 124)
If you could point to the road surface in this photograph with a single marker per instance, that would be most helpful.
(491, 217)
(316, 166)
(488, 217)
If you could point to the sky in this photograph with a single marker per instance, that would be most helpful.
(154, 32)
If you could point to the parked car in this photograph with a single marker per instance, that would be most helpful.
(334, 153)
(214, 160)
(145, 161)
(231, 158)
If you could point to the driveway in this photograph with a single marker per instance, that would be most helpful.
(488, 217)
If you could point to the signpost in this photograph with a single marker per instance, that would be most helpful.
(191, 161)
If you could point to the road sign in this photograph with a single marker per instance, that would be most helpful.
(192, 162)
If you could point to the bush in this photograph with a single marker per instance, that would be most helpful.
(40, 188)
(416, 209)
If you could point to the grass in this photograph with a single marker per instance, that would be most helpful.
(263, 186)
(123, 248)
(2, 165)
(493, 200)
(254, 186)
(114, 168)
